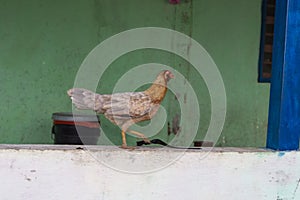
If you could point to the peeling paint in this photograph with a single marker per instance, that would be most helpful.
(280, 154)
(176, 124)
(177, 96)
(169, 128)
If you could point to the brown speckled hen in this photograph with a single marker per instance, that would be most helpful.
(125, 109)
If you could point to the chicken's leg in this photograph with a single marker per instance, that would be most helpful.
(140, 135)
(124, 144)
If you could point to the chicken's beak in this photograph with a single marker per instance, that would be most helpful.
(171, 76)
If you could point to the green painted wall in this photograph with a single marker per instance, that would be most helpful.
(42, 44)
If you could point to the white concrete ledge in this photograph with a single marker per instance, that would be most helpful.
(97, 172)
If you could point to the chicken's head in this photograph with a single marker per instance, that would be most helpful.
(168, 75)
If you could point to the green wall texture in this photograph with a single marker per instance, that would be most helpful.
(43, 43)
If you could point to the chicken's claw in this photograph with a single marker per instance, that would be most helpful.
(124, 146)
(147, 141)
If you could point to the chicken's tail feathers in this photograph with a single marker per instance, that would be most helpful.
(85, 99)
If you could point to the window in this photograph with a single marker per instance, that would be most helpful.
(266, 44)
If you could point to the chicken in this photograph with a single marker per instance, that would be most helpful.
(125, 109)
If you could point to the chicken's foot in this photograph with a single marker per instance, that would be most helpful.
(140, 135)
